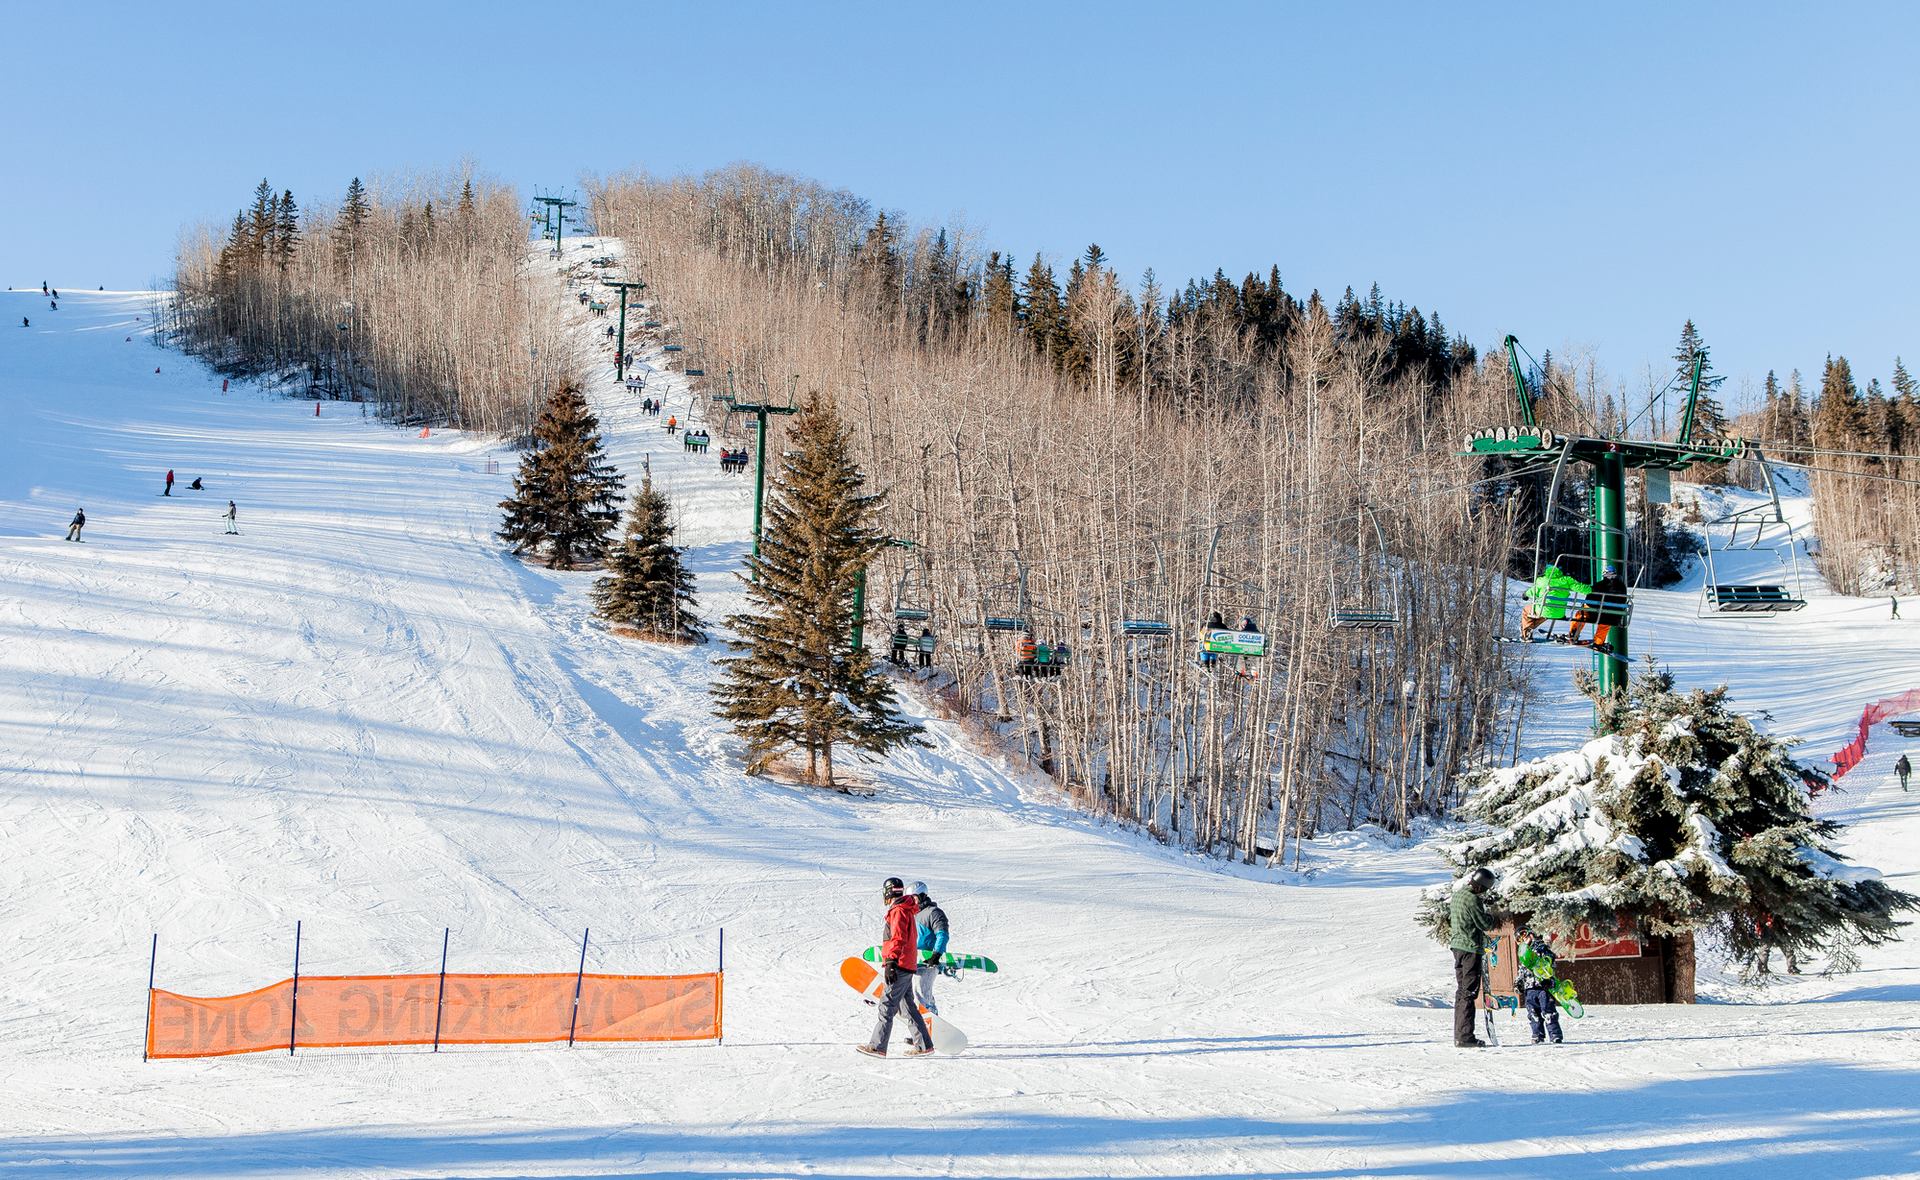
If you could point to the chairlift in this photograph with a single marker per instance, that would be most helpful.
(1370, 599)
(650, 323)
(1218, 639)
(672, 348)
(1004, 607)
(912, 596)
(1558, 593)
(694, 372)
(1143, 613)
(1772, 533)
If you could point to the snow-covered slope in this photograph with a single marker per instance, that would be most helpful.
(361, 715)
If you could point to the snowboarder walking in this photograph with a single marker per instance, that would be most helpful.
(233, 520)
(169, 490)
(930, 929)
(1535, 984)
(80, 522)
(1895, 600)
(1904, 769)
(1468, 923)
(899, 957)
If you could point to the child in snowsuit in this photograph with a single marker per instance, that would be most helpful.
(1535, 987)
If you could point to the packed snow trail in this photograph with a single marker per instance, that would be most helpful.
(361, 714)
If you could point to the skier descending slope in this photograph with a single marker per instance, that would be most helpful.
(1469, 922)
(899, 957)
(930, 927)
(79, 522)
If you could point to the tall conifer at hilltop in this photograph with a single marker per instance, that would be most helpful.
(565, 498)
(648, 587)
(797, 682)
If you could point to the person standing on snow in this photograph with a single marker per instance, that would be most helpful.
(1468, 923)
(1904, 769)
(233, 520)
(80, 522)
(169, 490)
(1535, 985)
(899, 958)
(930, 929)
(1895, 600)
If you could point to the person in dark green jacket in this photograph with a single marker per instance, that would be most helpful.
(1468, 922)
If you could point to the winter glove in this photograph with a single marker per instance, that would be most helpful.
(892, 973)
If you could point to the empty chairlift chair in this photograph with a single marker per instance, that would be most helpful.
(1366, 588)
(1752, 562)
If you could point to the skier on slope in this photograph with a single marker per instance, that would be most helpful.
(233, 520)
(1904, 769)
(79, 522)
(899, 958)
(930, 929)
(1535, 985)
(1468, 923)
(169, 488)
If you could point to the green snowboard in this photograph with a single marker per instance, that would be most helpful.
(948, 959)
(1559, 987)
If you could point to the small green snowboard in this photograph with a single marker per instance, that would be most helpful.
(947, 959)
(1558, 986)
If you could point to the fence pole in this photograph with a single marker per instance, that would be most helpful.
(152, 959)
(293, 1020)
(721, 970)
(446, 933)
(577, 978)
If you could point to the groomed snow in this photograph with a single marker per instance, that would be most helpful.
(361, 714)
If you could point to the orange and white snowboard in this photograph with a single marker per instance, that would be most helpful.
(864, 978)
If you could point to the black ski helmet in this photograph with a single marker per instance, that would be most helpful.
(891, 888)
(1480, 880)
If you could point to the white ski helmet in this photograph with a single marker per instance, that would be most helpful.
(917, 889)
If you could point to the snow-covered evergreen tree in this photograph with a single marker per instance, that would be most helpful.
(565, 497)
(797, 682)
(1685, 817)
(647, 587)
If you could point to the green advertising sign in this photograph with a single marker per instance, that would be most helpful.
(1234, 643)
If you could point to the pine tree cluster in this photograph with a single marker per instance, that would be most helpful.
(796, 682)
(565, 497)
(1685, 817)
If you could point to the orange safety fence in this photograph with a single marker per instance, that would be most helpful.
(1848, 756)
(338, 1011)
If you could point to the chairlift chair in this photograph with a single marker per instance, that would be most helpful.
(672, 348)
(1225, 598)
(1773, 533)
(912, 599)
(1351, 610)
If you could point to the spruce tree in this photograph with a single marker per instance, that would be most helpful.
(648, 588)
(565, 498)
(1685, 817)
(353, 215)
(796, 682)
(286, 238)
(262, 220)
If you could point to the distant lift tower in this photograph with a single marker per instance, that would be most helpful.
(556, 218)
(1609, 459)
(620, 348)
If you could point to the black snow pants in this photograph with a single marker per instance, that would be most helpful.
(1469, 976)
(899, 999)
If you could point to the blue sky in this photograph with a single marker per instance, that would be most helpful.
(1586, 177)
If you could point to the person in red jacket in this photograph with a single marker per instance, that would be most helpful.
(169, 490)
(899, 961)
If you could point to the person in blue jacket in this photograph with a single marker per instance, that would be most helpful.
(931, 925)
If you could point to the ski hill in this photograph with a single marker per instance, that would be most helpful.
(362, 715)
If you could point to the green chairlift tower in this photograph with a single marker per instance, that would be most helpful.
(1609, 459)
(556, 218)
(760, 410)
(620, 346)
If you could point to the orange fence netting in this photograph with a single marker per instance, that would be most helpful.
(337, 1011)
